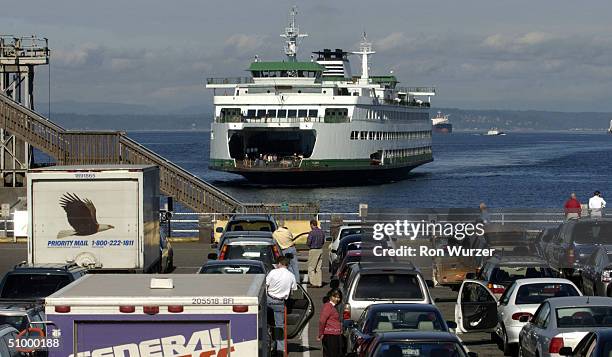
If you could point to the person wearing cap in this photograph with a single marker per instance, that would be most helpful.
(596, 204)
(284, 239)
(279, 284)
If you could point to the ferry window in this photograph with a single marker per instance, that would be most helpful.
(302, 113)
(251, 113)
(292, 113)
(271, 113)
(261, 113)
(282, 113)
(353, 135)
(313, 113)
(363, 135)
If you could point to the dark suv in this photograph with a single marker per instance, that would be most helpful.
(38, 281)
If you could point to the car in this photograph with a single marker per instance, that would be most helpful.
(597, 343)
(478, 310)
(349, 242)
(576, 240)
(378, 283)
(260, 247)
(544, 238)
(382, 318)
(450, 271)
(343, 231)
(234, 266)
(22, 314)
(500, 271)
(249, 222)
(351, 257)
(8, 335)
(167, 256)
(39, 280)
(596, 273)
(422, 344)
(241, 234)
(563, 322)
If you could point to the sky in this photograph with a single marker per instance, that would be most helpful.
(479, 54)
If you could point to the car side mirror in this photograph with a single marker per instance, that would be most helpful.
(219, 230)
(334, 284)
(470, 276)
(472, 354)
(565, 351)
(524, 318)
(348, 323)
(212, 256)
(451, 324)
(328, 239)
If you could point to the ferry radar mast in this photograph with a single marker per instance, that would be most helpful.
(365, 49)
(292, 34)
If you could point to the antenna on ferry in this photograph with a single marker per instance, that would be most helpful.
(365, 49)
(292, 34)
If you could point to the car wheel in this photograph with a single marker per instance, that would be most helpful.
(505, 345)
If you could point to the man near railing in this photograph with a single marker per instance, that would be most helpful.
(597, 204)
(572, 207)
(316, 239)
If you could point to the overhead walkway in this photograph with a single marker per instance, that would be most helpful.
(110, 147)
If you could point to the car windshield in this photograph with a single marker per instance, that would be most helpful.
(345, 232)
(236, 226)
(232, 269)
(26, 286)
(591, 233)
(537, 293)
(419, 349)
(261, 252)
(507, 274)
(388, 286)
(584, 316)
(395, 320)
(20, 322)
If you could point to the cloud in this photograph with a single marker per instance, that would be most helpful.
(244, 44)
(87, 54)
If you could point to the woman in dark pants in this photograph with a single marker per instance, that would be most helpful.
(330, 328)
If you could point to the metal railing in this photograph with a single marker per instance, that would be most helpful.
(230, 80)
(416, 89)
(110, 147)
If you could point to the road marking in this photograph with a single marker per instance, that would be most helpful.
(305, 345)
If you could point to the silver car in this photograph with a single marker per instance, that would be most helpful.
(563, 322)
(378, 283)
(8, 335)
(477, 309)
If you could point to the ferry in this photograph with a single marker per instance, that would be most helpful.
(313, 122)
(441, 124)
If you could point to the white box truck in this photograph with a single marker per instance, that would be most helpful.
(142, 315)
(100, 217)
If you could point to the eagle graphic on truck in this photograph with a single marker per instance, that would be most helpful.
(81, 214)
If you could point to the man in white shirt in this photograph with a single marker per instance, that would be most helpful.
(279, 283)
(596, 204)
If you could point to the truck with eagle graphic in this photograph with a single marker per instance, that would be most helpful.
(98, 216)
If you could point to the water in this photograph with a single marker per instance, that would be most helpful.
(519, 170)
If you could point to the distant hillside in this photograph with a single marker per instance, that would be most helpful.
(462, 119)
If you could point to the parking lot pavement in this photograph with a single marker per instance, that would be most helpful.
(188, 257)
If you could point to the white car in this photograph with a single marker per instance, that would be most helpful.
(343, 231)
(478, 310)
(563, 322)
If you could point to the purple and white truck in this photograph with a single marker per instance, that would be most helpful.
(179, 315)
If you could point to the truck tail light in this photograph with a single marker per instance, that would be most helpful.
(127, 309)
(62, 309)
(516, 316)
(150, 310)
(571, 256)
(175, 308)
(346, 313)
(223, 252)
(556, 344)
(496, 288)
(240, 308)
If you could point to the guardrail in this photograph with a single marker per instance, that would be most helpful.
(230, 80)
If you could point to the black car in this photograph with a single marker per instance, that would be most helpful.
(597, 343)
(234, 266)
(422, 344)
(597, 273)
(380, 318)
(544, 238)
(499, 272)
(38, 281)
(349, 242)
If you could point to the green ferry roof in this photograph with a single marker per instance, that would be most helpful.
(381, 79)
(286, 66)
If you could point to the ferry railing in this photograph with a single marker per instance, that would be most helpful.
(283, 163)
(264, 120)
(230, 80)
(416, 89)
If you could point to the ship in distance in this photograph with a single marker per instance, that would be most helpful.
(314, 122)
(441, 124)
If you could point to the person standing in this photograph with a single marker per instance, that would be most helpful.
(597, 204)
(485, 216)
(279, 283)
(315, 241)
(330, 331)
(282, 235)
(572, 207)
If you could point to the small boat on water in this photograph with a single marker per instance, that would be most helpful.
(610, 128)
(495, 132)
